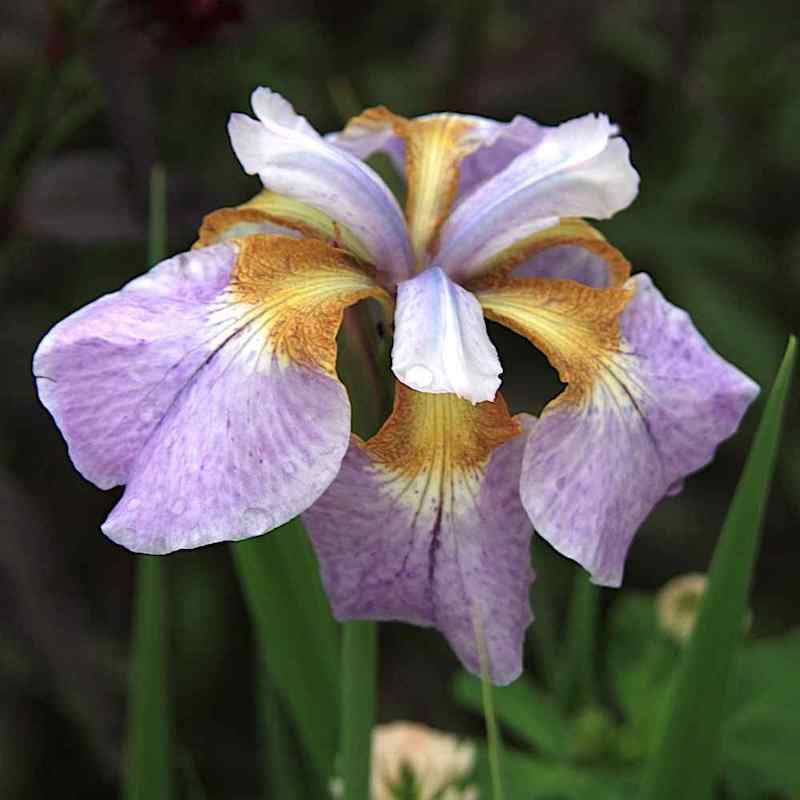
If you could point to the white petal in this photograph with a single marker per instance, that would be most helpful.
(441, 345)
(575, 170)
(276, 112)
(292, 159)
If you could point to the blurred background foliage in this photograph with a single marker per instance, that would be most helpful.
(92, 94)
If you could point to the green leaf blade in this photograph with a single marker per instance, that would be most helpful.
(683, 762)
(359, 654)
(150, 768)
(290, 615)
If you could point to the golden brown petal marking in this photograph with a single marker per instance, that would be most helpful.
(569, 231)
(575, 326)
(434, 151)
(440, 437)
(268, 208)
(299, 289)
(435, 148)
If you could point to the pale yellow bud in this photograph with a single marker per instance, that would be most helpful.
(678, 603)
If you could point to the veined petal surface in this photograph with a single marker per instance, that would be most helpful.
(440, 343)
(292, 159)
(649, 401)
(501, 143)
(433, 148)
(424, 524)
(578, 169)
(208, 387)
(493, 144)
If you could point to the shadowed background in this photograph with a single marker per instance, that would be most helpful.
(91, 94)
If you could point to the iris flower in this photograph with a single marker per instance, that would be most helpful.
(208, 385)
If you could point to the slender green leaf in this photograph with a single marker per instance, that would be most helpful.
(150, 727)
(528, 713)
(683, 762)
(359, 672)
(150, 714)
(578, 673)
(290, 614)
(284, 773)
(21, 129)
(157, 230)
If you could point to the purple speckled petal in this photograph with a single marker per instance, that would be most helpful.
(110, 371)
(439, 543)
(292, 159)
(440, 343)
(579, 169)
(214, 402)
(594, 469)
(246, 447)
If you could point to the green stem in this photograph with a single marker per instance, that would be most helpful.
(359, 670)
(493, 740)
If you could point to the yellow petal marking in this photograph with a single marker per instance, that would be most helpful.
(569, 231)
(296, 291)
(268, 208)
(435, 148)
(575, 326)
(435, 447)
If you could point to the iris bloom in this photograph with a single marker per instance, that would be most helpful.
(208, 386)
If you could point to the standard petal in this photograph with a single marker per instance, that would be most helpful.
(575, 170)
(493, 144)
(433, 149)
(647, 406)
(208, 387)
(440, 343)
(293, 160)
(501, 143)
(423, 524)
(372, 132)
